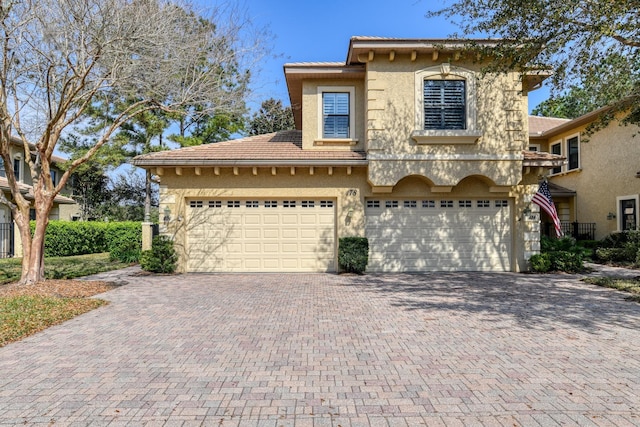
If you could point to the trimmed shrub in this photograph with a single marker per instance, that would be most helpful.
(540, 263)
(622, 247)
(67, 238)
(559, 255)
(162, 257)
(353, 254)
(568, 262)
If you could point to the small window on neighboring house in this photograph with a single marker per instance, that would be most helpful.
(17, 168)
(556, 149)
(573, 153)
(3, 173)
(335, 115)
(32, 214)
(444, 104)
(54, 177)
(534, 147)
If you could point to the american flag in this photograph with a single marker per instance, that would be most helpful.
(543, 199)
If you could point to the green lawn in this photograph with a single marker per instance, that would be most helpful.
(25, 311)
(23, 315)
(630, 285)
(62, 267)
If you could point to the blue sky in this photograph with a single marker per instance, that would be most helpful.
(310, 31)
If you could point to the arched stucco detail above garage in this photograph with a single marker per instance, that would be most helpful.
(384, 175)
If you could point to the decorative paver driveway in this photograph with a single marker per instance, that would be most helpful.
(329, 350)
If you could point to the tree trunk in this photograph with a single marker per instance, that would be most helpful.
(33, 246)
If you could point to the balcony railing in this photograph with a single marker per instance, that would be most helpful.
(577, 230)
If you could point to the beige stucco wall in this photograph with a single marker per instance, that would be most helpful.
(497, 112)
(177, 191)
(312, 115)
(68, 212)
(608, 165)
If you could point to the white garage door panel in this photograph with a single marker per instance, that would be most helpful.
(238, 235)
(469, 235)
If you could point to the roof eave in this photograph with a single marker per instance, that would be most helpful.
(150, 163)
(543, 163)
(571, 124)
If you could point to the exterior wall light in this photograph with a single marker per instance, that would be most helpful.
(611, 216)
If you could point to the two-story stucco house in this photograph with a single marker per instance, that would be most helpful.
(64, 208)
(597, 190)
(407, 142)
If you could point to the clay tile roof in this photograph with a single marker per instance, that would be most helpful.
(539, 158)
(538, 125)
(272, 148)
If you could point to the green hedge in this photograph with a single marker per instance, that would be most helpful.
(66, 238)
(353, 254)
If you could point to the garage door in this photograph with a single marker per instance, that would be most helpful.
(439, 235)
(260, 235)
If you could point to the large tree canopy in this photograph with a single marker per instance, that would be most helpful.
(59, 59)
(591, 44)
(272, 117)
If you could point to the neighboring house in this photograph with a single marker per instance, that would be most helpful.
(597, 190)
(63, 208)
(407, 143)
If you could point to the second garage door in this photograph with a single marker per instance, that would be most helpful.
(260, 235)
(438, 235)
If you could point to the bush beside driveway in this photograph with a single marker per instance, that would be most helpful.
(307, 350)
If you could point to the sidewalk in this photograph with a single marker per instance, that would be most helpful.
(609, 271)
(120, 277)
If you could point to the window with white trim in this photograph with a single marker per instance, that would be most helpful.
(446, 106)
(556, 148)
(337, 116)
(573, 152)
(17, 167)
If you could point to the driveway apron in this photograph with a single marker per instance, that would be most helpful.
(334, 350)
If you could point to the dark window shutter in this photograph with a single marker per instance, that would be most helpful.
(445, 104)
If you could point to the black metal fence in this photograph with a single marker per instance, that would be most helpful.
(577, 230)
(6, 240)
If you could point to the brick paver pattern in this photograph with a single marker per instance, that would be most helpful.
(334, 350)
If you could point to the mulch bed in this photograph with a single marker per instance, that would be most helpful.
(58, 288)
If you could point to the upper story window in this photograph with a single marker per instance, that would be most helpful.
(573, 152)
(556, 148)
(337, 120)
(446, 107)
(445, 104)
(54, 176)
(17, 168)
(569, 148)
(335, 115)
